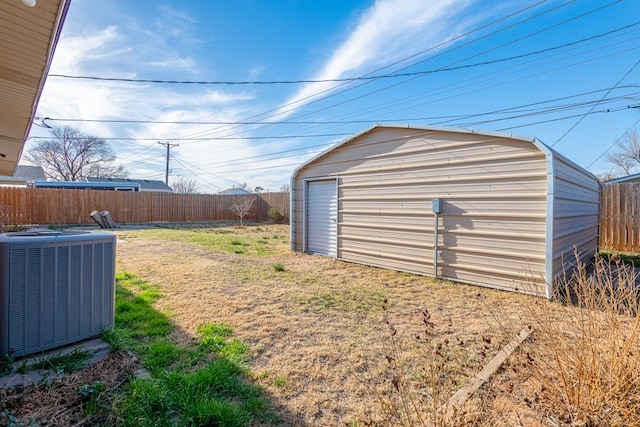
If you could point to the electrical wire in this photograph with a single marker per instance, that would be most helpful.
(534, 112)
(526, 54)
(213, 138)
(353, 79)
(595, 105)
(614, 143)
(274, 112)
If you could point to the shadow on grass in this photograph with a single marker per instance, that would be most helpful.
(193, 385)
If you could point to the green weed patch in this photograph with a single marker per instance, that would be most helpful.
(249, 241)
(201, 384)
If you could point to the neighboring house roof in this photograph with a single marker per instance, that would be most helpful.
(234, 191)
(629, 178)
(29, 36)
(145, 184)
(30, 173)
(23, 175)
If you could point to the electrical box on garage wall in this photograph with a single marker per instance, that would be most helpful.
(436, 206)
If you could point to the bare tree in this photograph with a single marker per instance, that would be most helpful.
(73, 156)
(185, 185)
(104, 170)
(242, 206)
(626, 157)
(285, 188)
(606, 176)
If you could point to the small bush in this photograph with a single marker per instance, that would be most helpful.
(6, 364)
(585, 351)
(418, 394)
(276, 216)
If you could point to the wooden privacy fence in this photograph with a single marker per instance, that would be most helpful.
(620, 217)
(23, 206)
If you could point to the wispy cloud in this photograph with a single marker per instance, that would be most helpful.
(77, 51)
(382, 35)
(175, 23)
(111, 51)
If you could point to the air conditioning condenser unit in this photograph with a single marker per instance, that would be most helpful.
(56, 288)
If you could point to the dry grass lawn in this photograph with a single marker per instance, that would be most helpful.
(318, 330)
(341, 344)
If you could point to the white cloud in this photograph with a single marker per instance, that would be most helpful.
(106, 52)
(73, 55)
(382, 35)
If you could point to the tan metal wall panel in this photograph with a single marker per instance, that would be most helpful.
(530, 282)
(411, 266)
(297, 217)
(495, 245)
(576, 215)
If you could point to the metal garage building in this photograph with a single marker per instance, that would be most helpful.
(509, 210)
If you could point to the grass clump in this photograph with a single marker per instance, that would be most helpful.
(70, 362)
(217, 337)
(242, 241)
(218, 394)
(6, 364)
(359, 299)
(585, 351)
(201, 384)
(138, 323)
(91, 397)
(630, 259)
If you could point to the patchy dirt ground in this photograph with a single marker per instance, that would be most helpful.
(57, 401)
(318, 329)
(331, 341)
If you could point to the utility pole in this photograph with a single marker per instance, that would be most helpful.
(168, 145)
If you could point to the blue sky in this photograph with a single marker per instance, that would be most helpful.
(563, 71)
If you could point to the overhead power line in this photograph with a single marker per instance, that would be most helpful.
(350, 79)
(289, 107)
(596, 104)
(613, 143)
(450, 118)
(212, 138)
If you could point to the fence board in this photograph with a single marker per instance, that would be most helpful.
(25, 206)
(619, 217)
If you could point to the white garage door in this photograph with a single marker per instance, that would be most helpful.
(322, 217)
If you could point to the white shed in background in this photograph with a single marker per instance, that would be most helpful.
(509, 210)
